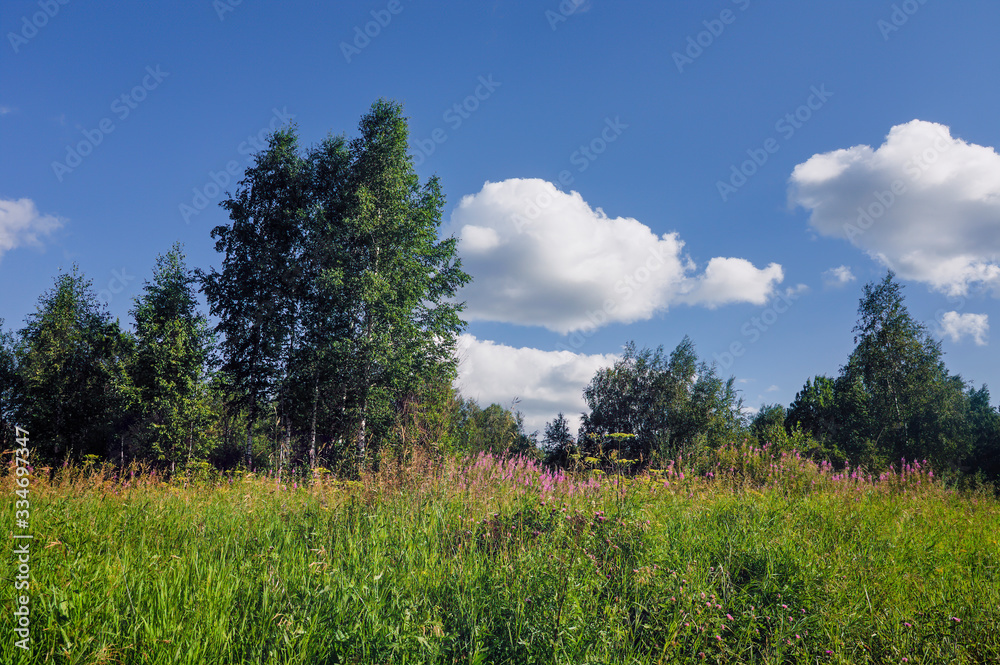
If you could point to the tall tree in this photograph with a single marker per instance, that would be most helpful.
(334, 278)
(914, 405)
(255, 294)
(9, 388)
(894, 397)
(984, 423)
(386, 282)
(173, 342)
(71, 360)
(557, 440)
(493, 429)
(672, 405)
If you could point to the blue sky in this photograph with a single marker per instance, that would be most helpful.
(720, 155)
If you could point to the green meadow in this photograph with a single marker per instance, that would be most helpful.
(743, 557)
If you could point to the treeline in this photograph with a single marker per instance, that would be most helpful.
(335, 345)
(893, 399)
(335, 340)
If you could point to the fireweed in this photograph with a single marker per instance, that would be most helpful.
(744, 555)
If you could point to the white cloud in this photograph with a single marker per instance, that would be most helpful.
(924, 204)
(21, 224)
(838, 276)
(772, 389)
(730, 280)
(545, 382)
(956, 326)
(540, 256)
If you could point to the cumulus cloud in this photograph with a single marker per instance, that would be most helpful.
(730, 280)
(838, 276)
(540, 256)
(924, 204)
(21, 224)
(545, 382)
(956, 326)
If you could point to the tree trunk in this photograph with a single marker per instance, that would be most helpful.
(312, 425)
(286, 446)
(253, 415)
(361, 449)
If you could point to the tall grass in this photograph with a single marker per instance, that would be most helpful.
(747, 557)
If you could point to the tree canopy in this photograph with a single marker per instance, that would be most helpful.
(73, 382)
(894, 397)
(334, 277)
(672, 405)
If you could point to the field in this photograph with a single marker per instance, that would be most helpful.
(751, 557)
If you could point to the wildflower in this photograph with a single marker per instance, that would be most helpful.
(956, 620)
(729, 616)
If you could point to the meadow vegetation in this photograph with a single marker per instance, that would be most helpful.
(744, 555)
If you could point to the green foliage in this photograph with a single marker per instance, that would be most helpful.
(335, 297)
(672, 405)
(814, 408)
(71, 358)
(557, 442)
(493, 429)
(894, 398)
(173, 343)
(984, 424)
(9, 388)
(384, 282)
(255, 295)
(768, 424)
(914, 405)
